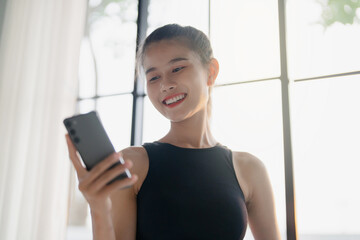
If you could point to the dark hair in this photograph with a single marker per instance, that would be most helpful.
(193, 38)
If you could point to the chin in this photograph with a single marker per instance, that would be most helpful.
(174, 117)
(178, 118)
(175, 120)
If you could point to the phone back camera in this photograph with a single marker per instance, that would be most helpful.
(76, 140)
(72, 131)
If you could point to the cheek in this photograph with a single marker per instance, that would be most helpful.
(153, 97)
(201, 84)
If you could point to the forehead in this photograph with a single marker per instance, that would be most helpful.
(160, 53)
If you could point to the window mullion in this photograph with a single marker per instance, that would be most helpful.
(138, 92)
(288, 158)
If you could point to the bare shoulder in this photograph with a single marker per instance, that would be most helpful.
(259, 196)
(134, 154)
(139, 157)
(249, 163)
(249, 170)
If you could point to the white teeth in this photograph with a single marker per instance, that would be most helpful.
(174, 99)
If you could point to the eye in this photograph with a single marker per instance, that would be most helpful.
(177, 69)
(154, 78)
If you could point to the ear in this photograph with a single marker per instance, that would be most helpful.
(213, 71)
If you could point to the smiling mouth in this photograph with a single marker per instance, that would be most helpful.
(175, 100)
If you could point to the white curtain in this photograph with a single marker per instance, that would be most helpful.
(39, 54)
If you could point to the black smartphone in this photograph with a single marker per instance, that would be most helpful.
(91, 141)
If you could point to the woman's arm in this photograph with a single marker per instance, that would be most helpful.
(124, 206)
(102, 226)
(260, 199)
(123, 214)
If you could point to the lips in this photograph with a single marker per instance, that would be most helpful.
(172, 96)
(174, 100)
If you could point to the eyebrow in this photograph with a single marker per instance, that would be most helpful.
(172, 61)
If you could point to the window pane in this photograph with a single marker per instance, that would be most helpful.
(116, 114)
(86, 106)
(245, 38)
(315, 50)
(113, 35)
(326, 130)
(156, 125)
(185, 12)
(86, 71)
(247, 117)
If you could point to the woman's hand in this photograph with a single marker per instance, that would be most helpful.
(93, 183)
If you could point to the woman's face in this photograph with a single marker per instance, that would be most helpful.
(177, 81)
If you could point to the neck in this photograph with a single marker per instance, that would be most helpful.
(193, 132)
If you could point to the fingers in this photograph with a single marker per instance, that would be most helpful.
(94, 183)
(74, 157)
(101, 174)
(104, 179)
(103, 166)
(124, 183)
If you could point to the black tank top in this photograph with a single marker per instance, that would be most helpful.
(190, 193)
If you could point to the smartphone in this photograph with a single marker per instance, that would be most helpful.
(91, 141)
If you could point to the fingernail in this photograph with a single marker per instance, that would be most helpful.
(121, 160)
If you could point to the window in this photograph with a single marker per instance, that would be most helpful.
(106, 82)
(317, 49)
(324, 69)
(248, 47)
(326, 134)
(321, 73)
(247, 117)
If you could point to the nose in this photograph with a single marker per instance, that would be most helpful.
(167, 85)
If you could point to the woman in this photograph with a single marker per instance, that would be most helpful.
(186, 185)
